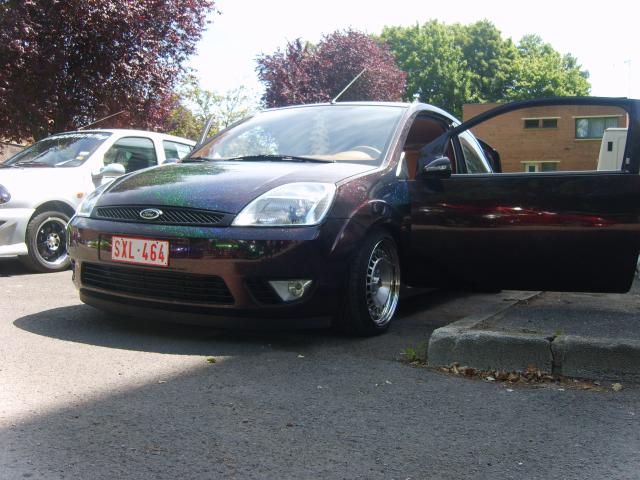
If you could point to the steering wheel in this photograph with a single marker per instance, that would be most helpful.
(368, 150)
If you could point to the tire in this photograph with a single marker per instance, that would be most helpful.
(46, 243)
(373, 287)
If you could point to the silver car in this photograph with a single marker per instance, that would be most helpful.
(41, 186)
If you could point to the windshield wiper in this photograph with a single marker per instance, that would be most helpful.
(277, 158)
(32, 164)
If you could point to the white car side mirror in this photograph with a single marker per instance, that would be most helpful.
(110, 171)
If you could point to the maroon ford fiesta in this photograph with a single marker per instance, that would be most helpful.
(315, 214)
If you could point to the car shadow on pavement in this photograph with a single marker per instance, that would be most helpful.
(87, 325)
(297, 412)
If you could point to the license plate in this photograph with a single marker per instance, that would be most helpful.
(141, 251)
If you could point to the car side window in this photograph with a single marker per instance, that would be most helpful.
(174, 151)
(473, 156)
(133, 153)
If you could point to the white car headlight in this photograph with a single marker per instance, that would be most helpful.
(86, 206)
(304, 203)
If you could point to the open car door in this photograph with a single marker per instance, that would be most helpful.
(552, 230)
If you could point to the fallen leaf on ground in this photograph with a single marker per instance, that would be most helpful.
(616, 387)
(532, 377)
(211, 360)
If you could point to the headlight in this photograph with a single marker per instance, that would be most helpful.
(4, 195)
(84, 209)
(291, 204)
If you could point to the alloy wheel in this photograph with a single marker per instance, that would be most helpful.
(50, 242)
(382, 283)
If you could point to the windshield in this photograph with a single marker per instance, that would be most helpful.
(64, 150)
(346, 133)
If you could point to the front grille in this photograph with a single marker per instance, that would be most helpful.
(170, 215)
(161, 285)
(262, 291)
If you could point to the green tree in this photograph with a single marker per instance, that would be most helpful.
(449, 65)
(489, 60)
(432, 59)
(541, 71)
(195, 105)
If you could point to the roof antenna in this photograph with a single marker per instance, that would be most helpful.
(101, 120)
(347, 87)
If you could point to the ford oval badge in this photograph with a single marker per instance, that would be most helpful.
(150, 213)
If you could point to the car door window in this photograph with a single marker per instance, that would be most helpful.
(473, 156)
(133, 153)
(174, 151)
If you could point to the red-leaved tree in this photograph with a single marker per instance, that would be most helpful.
(305, 73)
(67, 63)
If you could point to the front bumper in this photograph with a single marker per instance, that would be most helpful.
(244, 258)
(13, 230)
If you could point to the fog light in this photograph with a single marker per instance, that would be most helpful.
(289, 290)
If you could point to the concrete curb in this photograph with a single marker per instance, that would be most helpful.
(597, 358)
(489, 350)
(469, 343)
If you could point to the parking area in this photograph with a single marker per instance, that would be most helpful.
(88, 395)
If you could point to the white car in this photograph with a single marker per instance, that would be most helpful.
(41, 186)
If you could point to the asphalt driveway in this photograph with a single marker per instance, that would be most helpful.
(87, 395)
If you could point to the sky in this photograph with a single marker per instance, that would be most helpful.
(601, 35)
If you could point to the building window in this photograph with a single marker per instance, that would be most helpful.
(594, 127)
(541, 166)
(540, 123)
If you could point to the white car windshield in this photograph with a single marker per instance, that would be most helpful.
(346, 133)
(64, 150)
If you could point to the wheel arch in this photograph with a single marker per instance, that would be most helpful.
(374, 215)
(56, 206)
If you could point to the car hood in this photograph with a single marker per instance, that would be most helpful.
(221, 186)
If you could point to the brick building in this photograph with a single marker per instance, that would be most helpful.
(544, 139)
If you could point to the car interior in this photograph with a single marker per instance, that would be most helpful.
(132, 153)
(424, 130)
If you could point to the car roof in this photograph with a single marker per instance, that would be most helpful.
(327, 104)
(125, 131)
(412, 106)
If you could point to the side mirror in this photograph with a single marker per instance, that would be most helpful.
(110, 171)
(438, 168)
